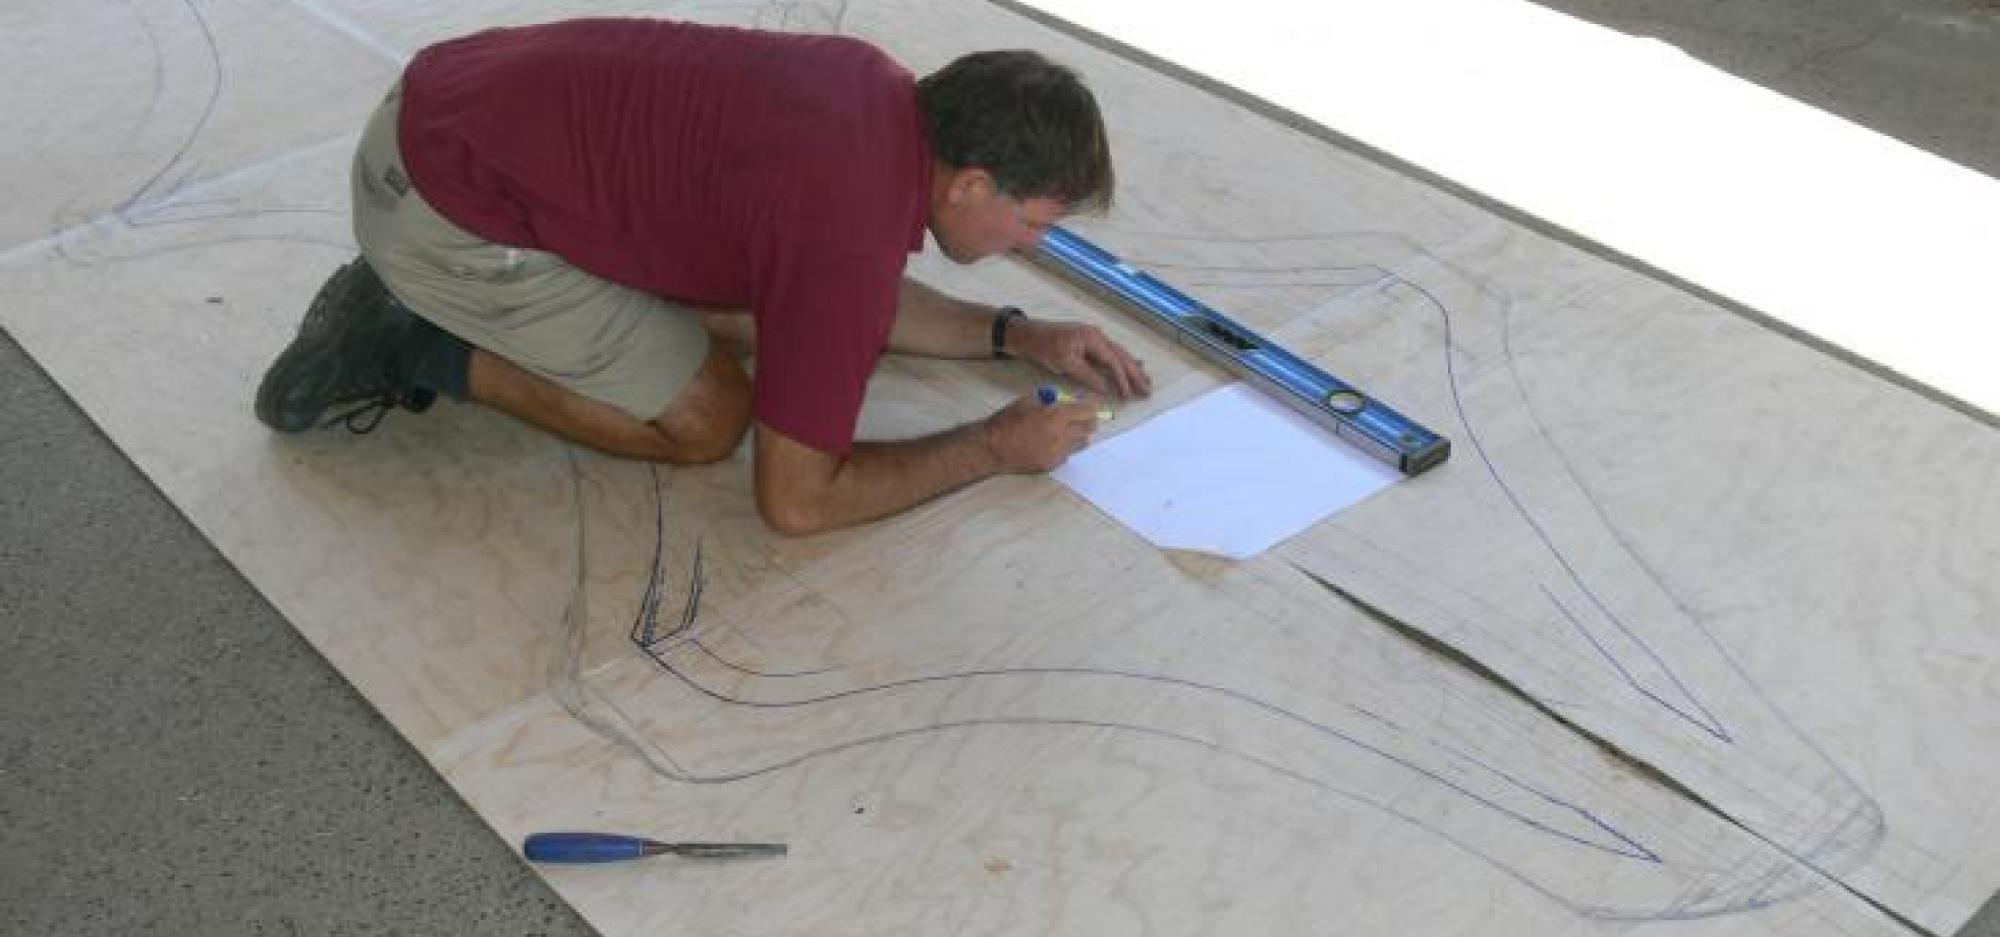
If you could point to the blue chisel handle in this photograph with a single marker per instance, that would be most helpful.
(587, 847)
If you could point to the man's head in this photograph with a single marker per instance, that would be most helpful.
(1019, 144)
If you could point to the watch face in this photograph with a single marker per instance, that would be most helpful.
(1346, 402)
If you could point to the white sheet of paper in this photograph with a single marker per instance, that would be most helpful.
(1231, 472)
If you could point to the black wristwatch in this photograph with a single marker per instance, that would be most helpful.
(1001, 317)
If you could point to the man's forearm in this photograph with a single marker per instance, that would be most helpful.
(802, 491)
(928, 322)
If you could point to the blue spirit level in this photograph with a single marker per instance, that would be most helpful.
(1341, 408)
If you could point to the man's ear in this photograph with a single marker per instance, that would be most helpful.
(968, 183)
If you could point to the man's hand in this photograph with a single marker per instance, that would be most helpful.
(930, 323)
(1026, 436)
(1081, 353)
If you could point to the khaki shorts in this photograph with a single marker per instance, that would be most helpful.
(612, 343)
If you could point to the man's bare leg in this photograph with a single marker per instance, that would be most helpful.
(704, 423)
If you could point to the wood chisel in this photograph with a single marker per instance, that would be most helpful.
(612, 847)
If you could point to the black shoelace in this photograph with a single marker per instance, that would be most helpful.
(364, 418)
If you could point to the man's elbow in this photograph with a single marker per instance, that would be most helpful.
(795, 485)
(791, 514)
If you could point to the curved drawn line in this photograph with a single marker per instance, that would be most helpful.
(1715, 643)
(708, 652)
(1617, 620)
(1713, 728)
(1631, 849)
(1613, 660)
(201, 122)
(1749, 895)
(1634, 849)
(1707, 721)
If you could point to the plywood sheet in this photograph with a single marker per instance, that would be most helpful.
(1002, 712)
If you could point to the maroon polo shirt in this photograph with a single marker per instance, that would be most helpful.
(786, 174)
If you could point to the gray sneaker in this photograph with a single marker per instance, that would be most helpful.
(358, 346)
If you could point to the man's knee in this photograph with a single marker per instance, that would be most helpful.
(707, 420)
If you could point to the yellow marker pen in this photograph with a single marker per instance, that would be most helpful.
(1049, 395)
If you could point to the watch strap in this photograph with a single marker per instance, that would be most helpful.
(1001, 318)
